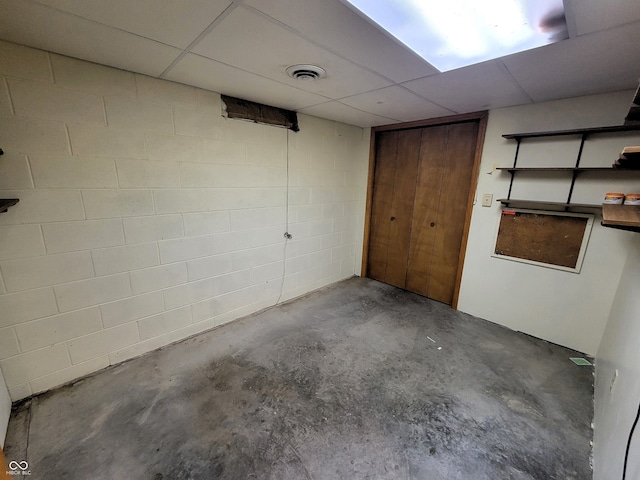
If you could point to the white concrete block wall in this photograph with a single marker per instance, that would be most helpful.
(146, 217)
(5, 409)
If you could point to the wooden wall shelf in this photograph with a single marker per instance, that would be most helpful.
(551, 206)
(624, 217)
(5, 203)
(574, 131)
(566, 169)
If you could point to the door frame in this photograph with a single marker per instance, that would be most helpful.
(481, 117)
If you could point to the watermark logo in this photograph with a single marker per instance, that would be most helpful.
(18, 468)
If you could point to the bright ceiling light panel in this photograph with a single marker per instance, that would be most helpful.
(451, 34)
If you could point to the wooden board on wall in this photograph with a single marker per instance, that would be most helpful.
(543, 237)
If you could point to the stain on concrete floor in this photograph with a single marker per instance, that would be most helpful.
(359, 380)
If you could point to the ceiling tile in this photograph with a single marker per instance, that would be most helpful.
(396, 102)
(477, 87)
(166, 21)
(333, 25)
(343, 113)
(258, 39)
(595, 15)
(252, 43)
(218, 77)
(39, 26)
(596, 63)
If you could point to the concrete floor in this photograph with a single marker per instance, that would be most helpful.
(359, 380)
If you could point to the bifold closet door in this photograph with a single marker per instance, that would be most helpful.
(433, 156)
(392, 208)
(422, 181)
(444, 181)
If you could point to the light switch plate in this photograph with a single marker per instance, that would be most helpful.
(487, 199)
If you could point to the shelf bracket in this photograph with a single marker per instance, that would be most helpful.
(5, 203)
(515, 163)
(574, 175)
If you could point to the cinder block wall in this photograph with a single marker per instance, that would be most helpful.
(146, 217)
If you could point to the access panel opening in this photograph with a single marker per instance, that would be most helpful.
(548, 239)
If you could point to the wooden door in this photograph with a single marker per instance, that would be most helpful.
(425, 217)
(394, 189)
(444, 184)
(419, 207)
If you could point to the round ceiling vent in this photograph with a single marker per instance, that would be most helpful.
(306, 72)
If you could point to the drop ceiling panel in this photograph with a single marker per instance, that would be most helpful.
(594, 15)
(396, 102)
(258, 39)
(264, 48)
(477, 87)
(218, 77)
(39, 26)
(595, 63)
(332, 25)
(343, 113)
(167, 21)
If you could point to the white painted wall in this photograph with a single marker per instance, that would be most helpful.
(146, 217)
(616, 408)
(566, 308)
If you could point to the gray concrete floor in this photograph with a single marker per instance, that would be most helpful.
(359, 380)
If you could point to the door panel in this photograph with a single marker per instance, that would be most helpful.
(402, 206)
(420, 193)
(433, 148)
(456, 183)
(385, 174)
